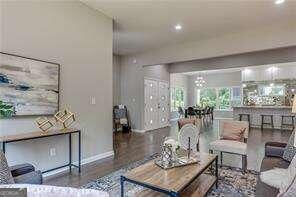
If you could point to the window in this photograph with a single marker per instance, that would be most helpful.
(221, 98)
(224, 98)
(274, 90)
(177, 98)
(207, 97)
(236, 99)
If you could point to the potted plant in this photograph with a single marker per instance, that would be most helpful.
(6, 110)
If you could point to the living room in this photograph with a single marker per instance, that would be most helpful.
(90, 95)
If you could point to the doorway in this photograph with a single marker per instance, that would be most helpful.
(156, 104)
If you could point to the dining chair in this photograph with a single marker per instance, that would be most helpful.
(181, 112)
(191, 112)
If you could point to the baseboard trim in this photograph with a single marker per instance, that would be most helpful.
(222, 118)
(83, 162)
(138, 130)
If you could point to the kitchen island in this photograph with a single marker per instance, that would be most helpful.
(256, 111)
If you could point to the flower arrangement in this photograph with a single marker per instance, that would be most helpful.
(6, 110)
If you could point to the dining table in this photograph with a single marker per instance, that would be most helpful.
(198, 110)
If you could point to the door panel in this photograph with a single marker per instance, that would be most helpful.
(163, 105)
(156, 102)
(151, 104)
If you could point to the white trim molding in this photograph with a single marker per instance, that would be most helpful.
(83, 162)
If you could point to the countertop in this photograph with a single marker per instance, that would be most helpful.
(265, 107)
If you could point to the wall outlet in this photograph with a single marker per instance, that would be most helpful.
(92, 100)
(52, 152)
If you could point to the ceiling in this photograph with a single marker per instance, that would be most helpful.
(145, 25)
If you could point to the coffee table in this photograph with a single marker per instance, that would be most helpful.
(190, 180)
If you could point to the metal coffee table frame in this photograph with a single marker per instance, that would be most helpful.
(165, 191)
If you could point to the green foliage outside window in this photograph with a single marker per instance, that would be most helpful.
(177, 98)
(224, 98)
(6, 110)
(208, 97)
(220, 98)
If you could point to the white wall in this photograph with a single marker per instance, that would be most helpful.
(80, 39)
(270, 72)
(116, 80)
(132, 88)
(179, 80)
(255, 58)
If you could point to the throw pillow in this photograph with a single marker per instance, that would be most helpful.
(5, 174)
(232, 132)
(290, 150)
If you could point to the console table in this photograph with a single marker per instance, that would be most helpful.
(39, 134)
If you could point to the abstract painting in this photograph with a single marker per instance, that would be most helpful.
(31, 86)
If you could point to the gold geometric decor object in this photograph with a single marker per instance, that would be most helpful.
(65, 117)
(43, 123)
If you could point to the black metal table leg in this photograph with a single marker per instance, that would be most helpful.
(211, 166)
(79, 151)
(122, 186)
(70, 152)
(3, 147)
(216, 173)
(262, 122)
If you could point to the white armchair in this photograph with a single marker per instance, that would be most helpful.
(232, 146)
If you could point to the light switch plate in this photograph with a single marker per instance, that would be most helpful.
(93, 100)
(52, 152)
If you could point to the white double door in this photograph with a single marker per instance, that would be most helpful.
(156, 104)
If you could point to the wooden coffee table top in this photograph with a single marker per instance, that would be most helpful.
(174, 179)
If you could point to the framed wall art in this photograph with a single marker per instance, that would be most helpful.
(30, 86)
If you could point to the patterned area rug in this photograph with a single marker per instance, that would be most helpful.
(232, 183)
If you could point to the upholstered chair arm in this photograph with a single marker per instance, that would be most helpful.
(274, 149)
(21, 169)
(30, 178)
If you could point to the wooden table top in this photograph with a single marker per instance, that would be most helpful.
(36, 134)
(174, 179)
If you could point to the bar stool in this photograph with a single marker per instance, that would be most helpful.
(263, 116)
(245, 117)
(291, 118)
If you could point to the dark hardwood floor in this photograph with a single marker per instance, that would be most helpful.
(135, 146)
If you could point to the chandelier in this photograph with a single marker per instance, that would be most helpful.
(199, 82)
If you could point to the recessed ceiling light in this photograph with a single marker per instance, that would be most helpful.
(279, 1)
(178, 27)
